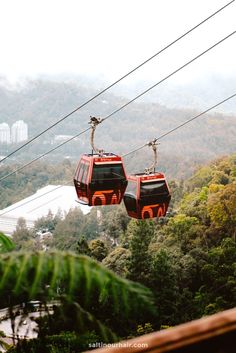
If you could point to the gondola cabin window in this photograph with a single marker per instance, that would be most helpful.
(82, 172)
(131, 189)
(105, 172)
(130, 196)
(153, 188)
(85, 173)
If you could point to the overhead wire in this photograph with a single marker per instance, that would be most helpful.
(123, 106)
(181, 125)
(168, 76)
(116, 82)
(131, 152)
(43, 155)
(32, 199)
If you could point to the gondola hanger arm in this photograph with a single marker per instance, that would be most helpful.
(94, 122)
(153, 144)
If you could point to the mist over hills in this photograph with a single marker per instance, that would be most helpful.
(199, 94)
(41, 102)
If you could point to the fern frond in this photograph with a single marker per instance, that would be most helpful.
(72, 274)
(22, 272)
(56, 265)
(36, 276)
(37, 280)
(88, 319)
(6, 271)
(6, 244)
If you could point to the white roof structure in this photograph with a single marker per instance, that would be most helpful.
(52, 198)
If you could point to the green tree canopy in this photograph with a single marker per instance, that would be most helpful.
(140, 235)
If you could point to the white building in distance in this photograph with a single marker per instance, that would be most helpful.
(62, 138)
(52, 198)
(19, 132)
(5, 133)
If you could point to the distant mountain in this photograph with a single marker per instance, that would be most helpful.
(41, 103)
(199, 94)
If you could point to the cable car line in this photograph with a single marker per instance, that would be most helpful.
(168, 76)
(123, 106)
(31, 200)
(147, 194)
(43, 155)
(181, 125)
(133, 151)
(117, 81)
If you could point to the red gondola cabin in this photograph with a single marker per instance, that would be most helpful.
(100, 180)
(147, 195)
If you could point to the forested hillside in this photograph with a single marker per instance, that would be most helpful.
(188, 258)
(43, 102)
(186, 261)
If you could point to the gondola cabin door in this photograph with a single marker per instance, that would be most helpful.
(131, 196)
(81, 180)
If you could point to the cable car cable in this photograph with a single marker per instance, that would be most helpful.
(125, 105)
(115, 82)
(181, 125)
(31, 200)
(168, 76)
(133, 151)
(43, 155)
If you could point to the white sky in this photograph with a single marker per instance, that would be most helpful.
(110, 37)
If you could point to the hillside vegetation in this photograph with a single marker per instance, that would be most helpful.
(188, 259)
(183, 265)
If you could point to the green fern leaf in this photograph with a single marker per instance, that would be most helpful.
(6, 244)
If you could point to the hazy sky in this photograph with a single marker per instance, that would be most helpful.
(110, 37)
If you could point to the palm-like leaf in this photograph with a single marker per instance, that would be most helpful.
(73, 278)
(6, 244)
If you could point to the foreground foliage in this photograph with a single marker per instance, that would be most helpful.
(66, 342)
(96, 295)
